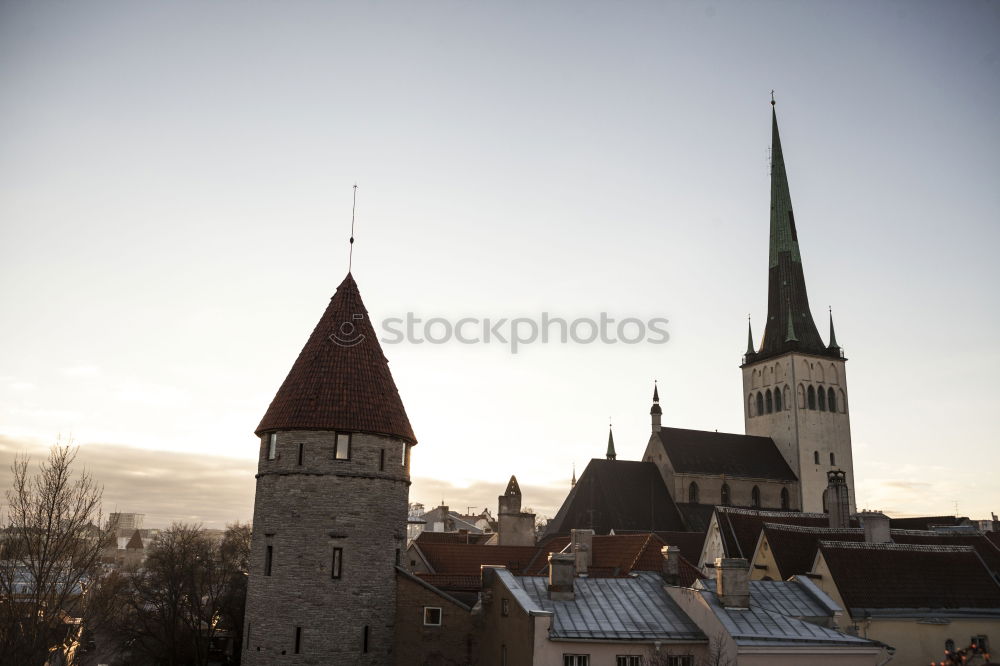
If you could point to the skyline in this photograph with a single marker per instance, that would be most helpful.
(508, 166)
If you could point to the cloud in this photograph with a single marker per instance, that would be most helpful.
(165, 486)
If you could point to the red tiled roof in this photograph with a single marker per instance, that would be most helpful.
(340, 386)
(460, 558)
(902, 576)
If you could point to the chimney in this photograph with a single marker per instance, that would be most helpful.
(732, 581)
(876, 526)
(837, 499)
(561, 575)
(582, 547)
(671, 565)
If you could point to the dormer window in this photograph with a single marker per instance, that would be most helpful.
(272, 446)
(342, 448)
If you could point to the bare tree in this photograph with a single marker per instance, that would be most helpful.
(50, 548)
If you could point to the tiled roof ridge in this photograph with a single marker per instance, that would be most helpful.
(642, 549)
(716, 432)
(924, 548)
(784, 527)
(765, 513)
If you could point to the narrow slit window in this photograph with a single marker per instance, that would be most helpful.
(298, 640)
(364, 640)
(381, 460)
(268, 559)
(272, 446)
(342, 449)
(404, 455)
(833, 459)
(301, 446)
(337, 563)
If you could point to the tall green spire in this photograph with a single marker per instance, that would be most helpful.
(789, 325)
(611, 445)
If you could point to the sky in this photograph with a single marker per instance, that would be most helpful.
(175, 203)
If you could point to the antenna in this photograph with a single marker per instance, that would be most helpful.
(354, 205)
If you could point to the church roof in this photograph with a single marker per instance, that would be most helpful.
(617, 495)
(740, 528)
(717, 453)
(790, 325)
(341, 379)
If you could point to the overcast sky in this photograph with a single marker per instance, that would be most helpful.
(175, 199)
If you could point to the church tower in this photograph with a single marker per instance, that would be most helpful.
(794, 385)
(330, 509)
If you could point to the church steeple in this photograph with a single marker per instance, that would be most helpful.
(790, 324)
(656, 412)
(611, 445)
(833, 336)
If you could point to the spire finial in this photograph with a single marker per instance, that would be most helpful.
(772, 97)
(611, 442)
(572, 482)
(833, 336)
(354, 205)
(750, 349)
(656, 392)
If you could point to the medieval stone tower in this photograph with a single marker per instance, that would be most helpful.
(794, 385)
(329, 517)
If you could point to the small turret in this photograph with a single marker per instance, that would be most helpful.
(611, 445)
(655, 411)
(833, 336)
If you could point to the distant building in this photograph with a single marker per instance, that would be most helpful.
(125, 523)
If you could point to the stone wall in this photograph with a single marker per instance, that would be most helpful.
(453, 643)
(306, 507)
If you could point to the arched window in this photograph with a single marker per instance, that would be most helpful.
(693, 493)
(833, 460)
(811, 397)
(822, 399)
(816, 457)
(787, 398)
(784, 499)
(800, 394)
(777, 399)
(841, 401)
(755, 497)
(768, 402)
(725, 494)
(831, 400)
(760, 403)
(750, 409)
(825, 510)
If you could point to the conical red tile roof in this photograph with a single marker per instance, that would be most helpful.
(341, 379)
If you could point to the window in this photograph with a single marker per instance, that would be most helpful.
(784, 499)
(768, 402)
(831, 400)
(268, 559)
(811, 397)
(755, 497)
(300, 453)
(725, 494)
(298, 639)
(381, 460)
(760, 403)
(833, 460)
(628, 660)
(576, 660)
(336, 563)
(693, 493)
(505, 607)
(822, 400)
(680, 660)
(405, 449)
(397, 557)
(980, 643)
(503, 655)
(342, 449)
(777, 400)
(272, 446)
(815, 457)
(432, 616)
(364, 640)
(949, 646)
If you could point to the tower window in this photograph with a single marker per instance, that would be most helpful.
(405, 449)
(831, 400)
(750, 410)
(336, 563)
(760, 403)
(821, 398)
(725, 494)
(785, 505)
(381, 460)
(833, 460)
(769, 402)
(693, 493)
(298, 639)
(268, 559)
(755, 497)
(777, 400)
(272, 446)
(364, 640)
(811, 397)
(432, 616)
(342, 449)
(301, 445)
(816, 457)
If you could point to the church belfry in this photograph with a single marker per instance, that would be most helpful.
(794, 384)
(330, 508)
